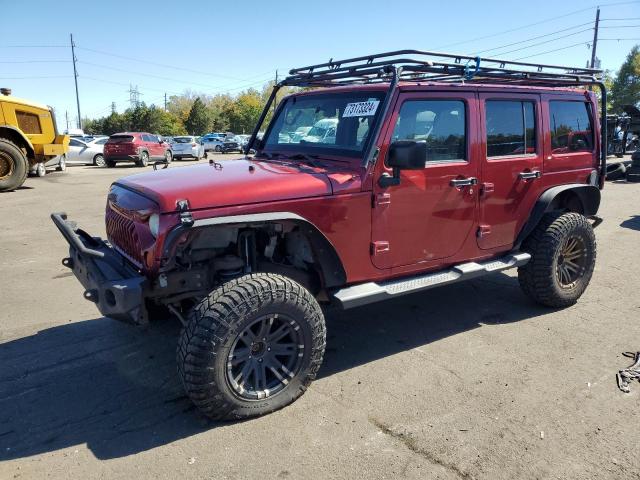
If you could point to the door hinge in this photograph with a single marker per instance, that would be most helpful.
(382, 199)
(484, 230)
(379, 247)
(486, 188)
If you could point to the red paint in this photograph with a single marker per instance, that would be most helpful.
(422, 224)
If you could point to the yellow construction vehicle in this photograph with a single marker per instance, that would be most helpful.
(28, 136)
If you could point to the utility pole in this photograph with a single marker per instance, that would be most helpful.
(75, 77)
(275, 99)
(66, 117)
(595, 40)
(165, 101)
(113, 107)
(134, 96)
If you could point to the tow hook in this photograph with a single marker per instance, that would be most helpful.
(596, 220)
(185, 215)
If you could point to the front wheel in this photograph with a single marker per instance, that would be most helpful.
(563, 257)
(218, 148)
(251, 347)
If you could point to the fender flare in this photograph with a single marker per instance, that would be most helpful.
(22, 137)
(328, 260)
(587, 197)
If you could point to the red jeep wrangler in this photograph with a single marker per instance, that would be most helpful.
(440, 168)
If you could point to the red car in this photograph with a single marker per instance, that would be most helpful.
(138, 147)
(438, 171)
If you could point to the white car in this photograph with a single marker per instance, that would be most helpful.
(212, 144)
(87, 153)
(323, 131)
(187, 146)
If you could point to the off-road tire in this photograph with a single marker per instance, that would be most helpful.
(538, 278)
(214, 327)
(16, 166)
(143, 160)
(615, 171)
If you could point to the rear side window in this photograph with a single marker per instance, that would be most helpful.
(511, 128)
(441, 124)
(29, 123)
(571, 127)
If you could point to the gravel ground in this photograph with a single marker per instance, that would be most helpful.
(467, 381)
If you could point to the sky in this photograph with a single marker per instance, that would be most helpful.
(225, 47)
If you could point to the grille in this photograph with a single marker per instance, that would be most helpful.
(121, 232)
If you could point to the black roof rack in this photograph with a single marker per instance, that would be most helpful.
(424, 66)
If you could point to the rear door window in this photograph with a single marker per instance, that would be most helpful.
(511, 128)
(571, 127)
(441, 124)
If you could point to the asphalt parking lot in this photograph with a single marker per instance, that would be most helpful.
(467, 381)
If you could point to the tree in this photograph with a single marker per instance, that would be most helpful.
(198, 121)
(625, 88)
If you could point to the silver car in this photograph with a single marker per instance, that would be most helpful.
(87, 153)
(187, 146)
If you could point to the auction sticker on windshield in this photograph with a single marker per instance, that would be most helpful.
(361, 109)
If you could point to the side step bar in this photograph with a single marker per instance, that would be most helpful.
(370, 292)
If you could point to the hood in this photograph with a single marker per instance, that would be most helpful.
(228, 183)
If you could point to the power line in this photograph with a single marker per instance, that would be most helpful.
(545, 42)
(34, 61)
(551, 51)
(546, 20)
(535, 38)
(36, 77)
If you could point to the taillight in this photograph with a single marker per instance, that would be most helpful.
(193, 144)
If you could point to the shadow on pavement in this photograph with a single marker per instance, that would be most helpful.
(633, 223)
(114, 386)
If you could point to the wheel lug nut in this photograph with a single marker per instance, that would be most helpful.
(260, 360)
(268, 349)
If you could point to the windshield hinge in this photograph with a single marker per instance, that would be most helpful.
(185, 215)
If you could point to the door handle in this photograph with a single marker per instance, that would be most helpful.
(530, 175)
(463, 182)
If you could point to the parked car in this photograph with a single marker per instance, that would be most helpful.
(212, 144)
(323, 131)
(138, 147)
(186, 146)
(87, 153)
(59, 163)
(423, 183)
(231, 144)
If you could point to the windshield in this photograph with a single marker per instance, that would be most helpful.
(326, 123)
(182, 139)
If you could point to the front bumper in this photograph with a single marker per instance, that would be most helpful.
(110, 281)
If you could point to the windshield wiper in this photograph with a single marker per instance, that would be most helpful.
(310, 159)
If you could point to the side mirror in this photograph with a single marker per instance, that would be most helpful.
(403, 155)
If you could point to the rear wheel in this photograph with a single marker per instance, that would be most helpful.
(218, 148)
(41, 170)
(251, 347)
(110, 163)
(14, 166)
(563, 256)
(143, 160)
(98, 160)
(62, 164)
(168, 156)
